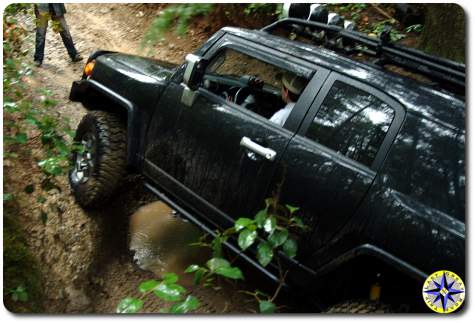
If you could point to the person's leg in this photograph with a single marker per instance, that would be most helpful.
(41, 27)
(67, 38)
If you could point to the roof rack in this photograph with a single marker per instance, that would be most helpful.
(349, 41)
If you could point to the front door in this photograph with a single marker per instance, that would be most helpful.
(220, 153)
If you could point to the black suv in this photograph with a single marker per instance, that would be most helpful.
(373, 150)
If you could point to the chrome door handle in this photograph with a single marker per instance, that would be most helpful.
(267, 153)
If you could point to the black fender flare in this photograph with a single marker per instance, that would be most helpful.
(78, 92)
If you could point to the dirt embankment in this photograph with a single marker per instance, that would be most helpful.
(83, 257)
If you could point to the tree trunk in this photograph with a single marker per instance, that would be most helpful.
(444, 31)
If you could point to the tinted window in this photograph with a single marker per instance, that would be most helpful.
(427, 162)
(351, 122)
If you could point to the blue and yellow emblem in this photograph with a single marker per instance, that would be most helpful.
(443, 291)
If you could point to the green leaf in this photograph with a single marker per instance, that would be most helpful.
(269, 201)
(298, 221)
(191, 268)
(242, 223)
(270, 224)
(129, 305)
(267, 307)
(222, 267)
(10, 106)
(246, 238)
(217, 247)
(264, 253)
(20, 294)
(290, 248)
(191, 303)
(30, 188)
(169, 292)
(230, 272)
(292, 209)
(215, 263)
(41, 199)
(21, 138)
(170, 278)
(278, 237)
(198, 276)
(43, 217)
(260, 218)
(7, 197)
(148, 285)
(51, 166)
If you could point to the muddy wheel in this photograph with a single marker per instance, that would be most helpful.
(100, 165)
(359, 307)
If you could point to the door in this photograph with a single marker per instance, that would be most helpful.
(332, 161)
(219, 154)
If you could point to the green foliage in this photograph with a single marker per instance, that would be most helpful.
(43, 217)
(178, 14)
(267, 307)
(19, 138)
(242, 223)
(417, 28)
(170, 292)
(278, 238)
(260, 218)
(352, 7)
(264, 8)
(129, 305)
(378, 27)
(290, 248)
(246, 238)
(52, 166)
(166, 289)
(223, 268)
(191, 303)
(269, 224)
(21, 278)
(30, 188)
(148, 285)
(19, 294)
(15, 8)
(264, 253)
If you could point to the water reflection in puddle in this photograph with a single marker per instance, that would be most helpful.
(161, 240)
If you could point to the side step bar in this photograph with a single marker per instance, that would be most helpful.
(188, 216)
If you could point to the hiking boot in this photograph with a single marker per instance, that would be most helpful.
(76, 58)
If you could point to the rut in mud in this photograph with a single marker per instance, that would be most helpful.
(84, 257)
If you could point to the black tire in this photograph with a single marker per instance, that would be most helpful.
(359, 307)
(105, 136)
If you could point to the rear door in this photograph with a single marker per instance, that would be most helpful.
(333, 159)
(202, 159)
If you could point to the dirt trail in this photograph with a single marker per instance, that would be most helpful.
(84, 257)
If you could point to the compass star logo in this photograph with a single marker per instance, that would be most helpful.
(443, 291)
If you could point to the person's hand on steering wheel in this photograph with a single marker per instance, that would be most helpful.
(255, 82)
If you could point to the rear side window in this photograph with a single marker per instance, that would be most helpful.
(427, 162)
(351, 122)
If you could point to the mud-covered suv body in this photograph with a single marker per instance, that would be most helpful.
(402, 214)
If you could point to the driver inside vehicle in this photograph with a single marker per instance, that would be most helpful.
(292, 87)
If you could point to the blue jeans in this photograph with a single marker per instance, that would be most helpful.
(59, 23)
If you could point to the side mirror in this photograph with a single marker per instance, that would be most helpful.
(195, 66)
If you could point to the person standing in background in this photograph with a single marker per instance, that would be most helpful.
(54, 11)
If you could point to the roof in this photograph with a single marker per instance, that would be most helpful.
(417, 97)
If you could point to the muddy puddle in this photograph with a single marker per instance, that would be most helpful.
(160, 240)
